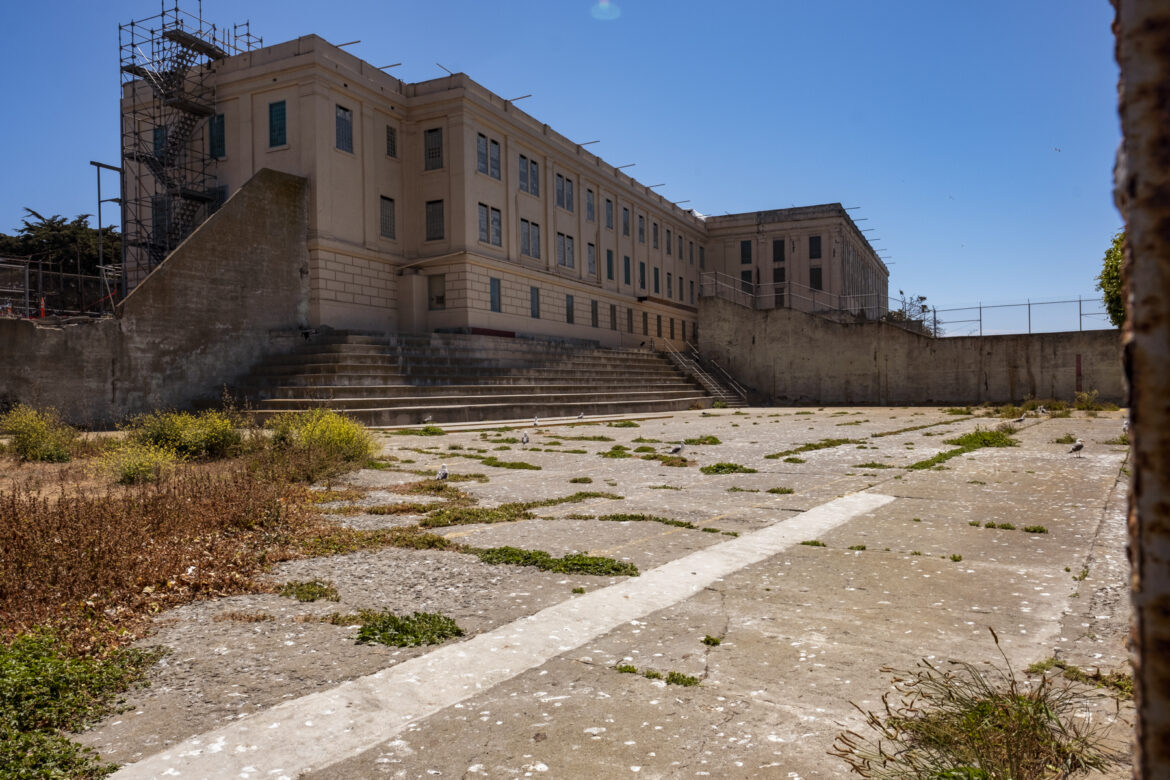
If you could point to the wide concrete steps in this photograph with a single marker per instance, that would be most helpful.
(479, 412)
(408, 379)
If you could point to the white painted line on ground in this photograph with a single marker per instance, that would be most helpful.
(324, 728)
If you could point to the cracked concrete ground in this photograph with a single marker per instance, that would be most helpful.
(803, 632)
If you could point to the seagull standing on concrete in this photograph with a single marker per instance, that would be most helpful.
(676, 449)
(1020, 419)
(580, 415)
(442, 473)
(1080, 445)
(535, 421)
(1041, 410)
(1125, 427)
(524, 438)
(428, 418)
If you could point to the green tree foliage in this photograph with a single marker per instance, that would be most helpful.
(1109, 281)
(65, 245)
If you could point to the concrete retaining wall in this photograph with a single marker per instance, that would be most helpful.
(790, 357)
(236, 289)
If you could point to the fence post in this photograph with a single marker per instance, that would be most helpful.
(981, 318)
(1080, 315)
(934, 330)
(1029, 315)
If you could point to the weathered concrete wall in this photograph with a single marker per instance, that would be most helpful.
(235, 290)
(790, 357)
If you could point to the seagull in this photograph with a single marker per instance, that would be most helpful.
(524, 438)
(442, 473)
(1020, 419)
(580, 415)
(535, 421)
(1080, 445)
(1125, 426)
(1041, 410)
(428, 418)
(676, 449)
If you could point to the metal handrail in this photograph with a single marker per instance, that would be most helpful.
(690, 366)
(736, 387)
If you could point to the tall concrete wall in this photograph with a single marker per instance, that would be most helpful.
(236, 289)
(790, 357)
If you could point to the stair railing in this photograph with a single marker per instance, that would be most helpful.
(689, 366)
(735, 386)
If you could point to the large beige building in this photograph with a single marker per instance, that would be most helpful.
(441, 206)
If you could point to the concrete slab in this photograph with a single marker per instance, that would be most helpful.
(804, 630)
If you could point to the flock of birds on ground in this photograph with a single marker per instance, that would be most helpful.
(677, 448)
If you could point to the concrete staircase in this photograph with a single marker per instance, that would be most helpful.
(404, 379)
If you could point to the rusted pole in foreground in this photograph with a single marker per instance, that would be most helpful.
(1142, 30)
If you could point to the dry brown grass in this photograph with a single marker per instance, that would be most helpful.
(96, 563)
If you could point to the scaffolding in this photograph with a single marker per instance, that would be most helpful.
(169, 132)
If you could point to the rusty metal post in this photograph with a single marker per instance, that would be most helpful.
(1142, 192)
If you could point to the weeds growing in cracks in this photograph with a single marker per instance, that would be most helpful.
(965, 722)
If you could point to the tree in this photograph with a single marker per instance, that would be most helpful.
(1109, 281)
(69, 246)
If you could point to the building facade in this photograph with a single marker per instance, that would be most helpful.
(439, 205)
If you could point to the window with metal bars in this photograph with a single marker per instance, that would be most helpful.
(344, 125)
(433, 149)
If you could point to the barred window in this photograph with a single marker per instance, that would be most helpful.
(344, 129)
(433, 149)
(494, 159)
(391, 141)
(387, 218)
(277, 125)
(589, 206)
(481, 153)
(591, 259)
(434, 216)
(569, 309)
(609, 213)
(495, 293)
(497, 228)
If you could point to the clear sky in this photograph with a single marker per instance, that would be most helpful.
(976, 138)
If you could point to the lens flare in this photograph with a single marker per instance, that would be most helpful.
(606, 11)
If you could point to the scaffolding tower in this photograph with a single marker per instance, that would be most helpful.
(170, 137)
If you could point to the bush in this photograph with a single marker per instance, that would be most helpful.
(38, 436)
(131, 463)
(318, 442)
(209, 434)
(1090, 402)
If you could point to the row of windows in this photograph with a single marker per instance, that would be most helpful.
(815, 279)
(745, 250)
(496, 303)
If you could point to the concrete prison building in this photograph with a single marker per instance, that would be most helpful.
(440, 206)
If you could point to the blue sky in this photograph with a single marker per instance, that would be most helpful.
(976, 138)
